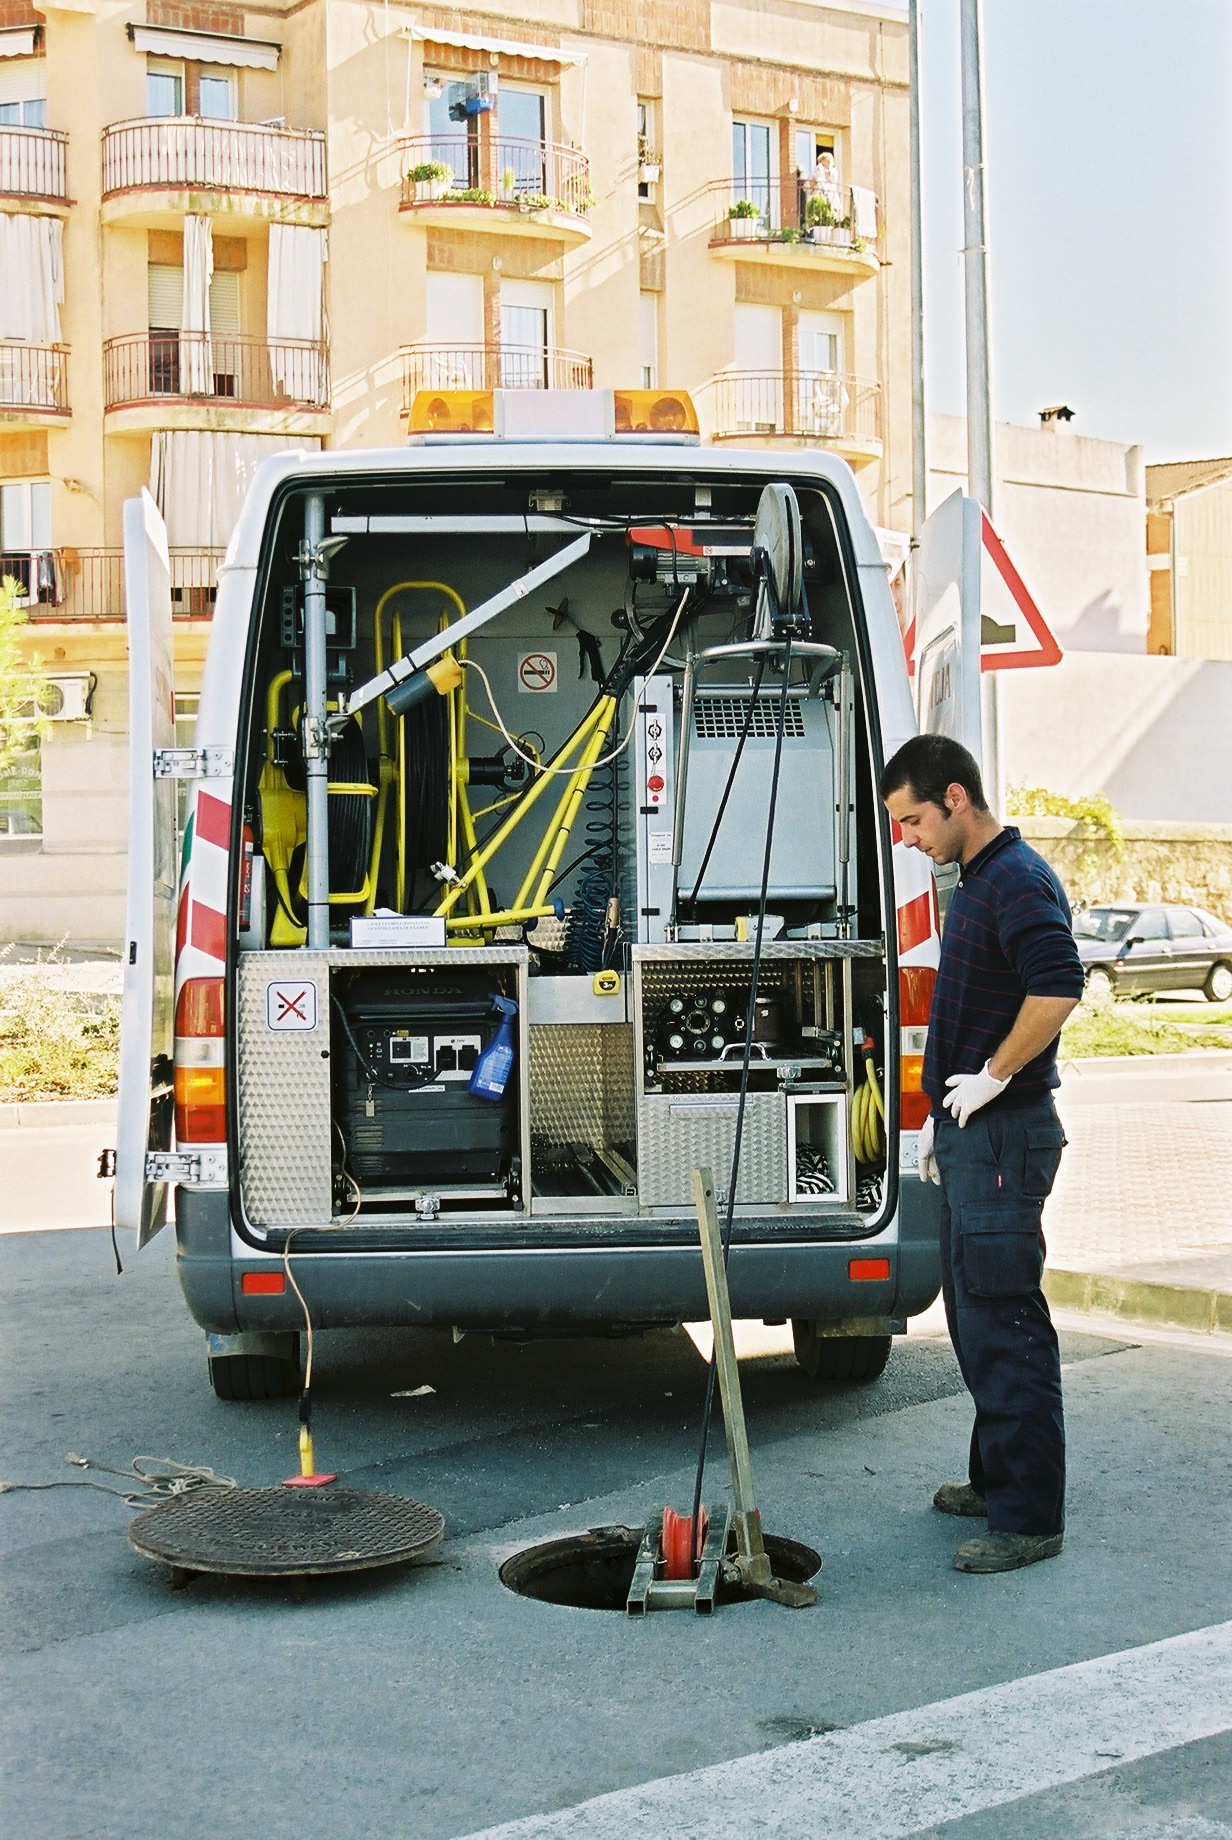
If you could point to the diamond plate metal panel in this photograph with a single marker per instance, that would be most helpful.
(284, 1097)
(678, 1133)
(581, 1083)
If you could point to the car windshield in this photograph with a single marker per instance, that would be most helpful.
(1104, 922)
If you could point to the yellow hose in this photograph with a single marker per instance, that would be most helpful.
(868, 1115)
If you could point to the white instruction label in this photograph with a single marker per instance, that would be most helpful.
(659, 846)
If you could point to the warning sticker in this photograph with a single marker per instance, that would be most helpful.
(659, 846)
(291, 1005)
(537, 671)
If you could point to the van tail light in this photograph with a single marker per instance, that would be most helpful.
(200, 1078)
(916, 984)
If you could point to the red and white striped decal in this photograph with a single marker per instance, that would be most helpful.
(915, 897)
(201, 931)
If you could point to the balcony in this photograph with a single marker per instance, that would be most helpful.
(33, 383)
(802, 408)
(511, 187)
(794, 223)
(87, 585)
(160, 379)
(32, 165)
(156, 171)
(491, 367)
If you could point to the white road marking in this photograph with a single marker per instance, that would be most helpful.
(895, 1776)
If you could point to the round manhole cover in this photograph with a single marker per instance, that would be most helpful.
(262, 1533)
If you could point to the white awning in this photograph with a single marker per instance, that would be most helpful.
(206, 47)
(20, 41)
(474, 41)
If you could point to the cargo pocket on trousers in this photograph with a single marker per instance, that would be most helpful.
(1041, 1159)
(1002, 1250)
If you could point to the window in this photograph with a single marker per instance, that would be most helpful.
(218, 92)
(526, 334)
(520, 145)
(21, 795)
(454, 143)
(25, 516)
(165, 286)
(648, 158)
(753, 166)
(1150, 924)
(811, 145)
(648, 327)
(23, 93)
(1186, 924)
(164, 88)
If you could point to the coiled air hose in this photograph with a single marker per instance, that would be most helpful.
(868, 1111)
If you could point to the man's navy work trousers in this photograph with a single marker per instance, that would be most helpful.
(995, 1174)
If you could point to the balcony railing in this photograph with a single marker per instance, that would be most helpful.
(248, 372)
(815, 405)
(32, 163)
(794, 210)
(180, 152)
(520, 175)
(492, 367)
(34, 377)
(88, 584)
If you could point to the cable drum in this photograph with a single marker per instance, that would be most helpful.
(350, 814)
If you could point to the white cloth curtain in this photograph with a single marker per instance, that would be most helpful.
(31, 294)
(864, 212)
(296, 310)
(196, 355)
(198, 480)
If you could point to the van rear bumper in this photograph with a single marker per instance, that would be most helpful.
(537, 1288)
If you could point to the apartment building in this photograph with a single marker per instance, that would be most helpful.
(228, 229)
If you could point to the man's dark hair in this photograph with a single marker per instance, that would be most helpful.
(930, 763)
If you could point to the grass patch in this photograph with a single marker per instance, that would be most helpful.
(1133, 1027)
(56, 1043)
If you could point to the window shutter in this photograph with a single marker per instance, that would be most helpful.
(22, 79)
(166, 290)
(225, 303)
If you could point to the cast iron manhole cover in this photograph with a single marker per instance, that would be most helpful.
(263, 1533)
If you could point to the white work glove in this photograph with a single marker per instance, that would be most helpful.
(969, 1091)
(925, 1161)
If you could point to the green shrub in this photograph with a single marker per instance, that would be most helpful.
(55, 1043)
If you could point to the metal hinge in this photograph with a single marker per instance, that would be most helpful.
(190, 1168)
(194, 763)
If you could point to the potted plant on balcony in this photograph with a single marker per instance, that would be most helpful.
(744, 218)
(823, 222)
(508, 185)
(649, 165)
(431, 179)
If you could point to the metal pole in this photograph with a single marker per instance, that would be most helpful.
(313, 569)
(919, 427)
(980, 472)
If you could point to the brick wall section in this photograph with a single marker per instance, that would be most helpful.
(761, 89)
(184, 16)
(17, 13)
(1191, 863)
(778, 287)
(682, 24)
(469, 252)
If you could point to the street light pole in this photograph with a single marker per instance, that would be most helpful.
(975, 272)
(919, 426)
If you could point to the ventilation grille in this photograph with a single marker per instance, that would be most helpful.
(722, 718)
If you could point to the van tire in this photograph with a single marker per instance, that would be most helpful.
(253, 1376)
(833, 1358)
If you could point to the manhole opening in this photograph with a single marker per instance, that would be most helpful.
(593, 1570)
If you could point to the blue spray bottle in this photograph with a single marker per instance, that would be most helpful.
(495, 1064)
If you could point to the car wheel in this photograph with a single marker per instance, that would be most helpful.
(253, 1376)
(839, 1357)
(1099, 985)
(1218, 986)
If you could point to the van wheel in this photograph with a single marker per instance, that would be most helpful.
(839, 1357)
(253, 1376)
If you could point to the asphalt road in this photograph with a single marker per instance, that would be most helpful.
(1082, 1696)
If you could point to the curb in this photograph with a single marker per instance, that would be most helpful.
(28, 1112)
(1207, 1311)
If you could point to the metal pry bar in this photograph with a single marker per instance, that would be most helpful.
(439, 643)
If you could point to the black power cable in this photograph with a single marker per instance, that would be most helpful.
(729, 1220)
(691, 902)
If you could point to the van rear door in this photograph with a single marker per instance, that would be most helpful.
(147, 1026)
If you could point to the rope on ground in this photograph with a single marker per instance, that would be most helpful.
(157, 1479)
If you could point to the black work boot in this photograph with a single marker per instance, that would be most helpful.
(960, 1498)
(1005, 1552)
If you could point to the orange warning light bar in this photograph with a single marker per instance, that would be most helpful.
(553, 415)
(654, 412)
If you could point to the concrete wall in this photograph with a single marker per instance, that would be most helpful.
(1158, 862)
(1151, 733)
(1072, 513)
(1202, 572)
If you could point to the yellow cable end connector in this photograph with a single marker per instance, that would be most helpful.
(441, 677)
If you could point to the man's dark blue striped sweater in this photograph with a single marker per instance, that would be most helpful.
(1008, 935)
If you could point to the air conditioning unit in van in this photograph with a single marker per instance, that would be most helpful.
(68, 698)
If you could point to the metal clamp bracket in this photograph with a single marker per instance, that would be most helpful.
(188, 1168)
(194, 763)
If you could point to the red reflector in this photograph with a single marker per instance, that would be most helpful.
(866, 1269)
(263, 1283)
(198, 1008)
(913, 1109)
(916, 984)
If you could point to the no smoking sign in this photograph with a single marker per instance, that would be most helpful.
(537, 672)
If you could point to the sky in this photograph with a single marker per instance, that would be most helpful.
(1108, 147)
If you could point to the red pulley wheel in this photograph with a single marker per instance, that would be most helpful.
(679, 1548)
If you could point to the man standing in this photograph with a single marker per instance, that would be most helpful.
(1009, 976)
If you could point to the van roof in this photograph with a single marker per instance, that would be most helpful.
(345, 465)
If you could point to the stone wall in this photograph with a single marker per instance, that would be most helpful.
(1159, 862)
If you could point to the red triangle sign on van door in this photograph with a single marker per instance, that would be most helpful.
(1013, 631)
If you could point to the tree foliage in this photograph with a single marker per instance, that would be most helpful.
(23, 683)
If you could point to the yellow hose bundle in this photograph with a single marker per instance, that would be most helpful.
(868, 1113)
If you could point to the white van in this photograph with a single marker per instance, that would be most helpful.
(476, 949)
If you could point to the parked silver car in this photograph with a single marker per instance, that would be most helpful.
(1129, 950)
